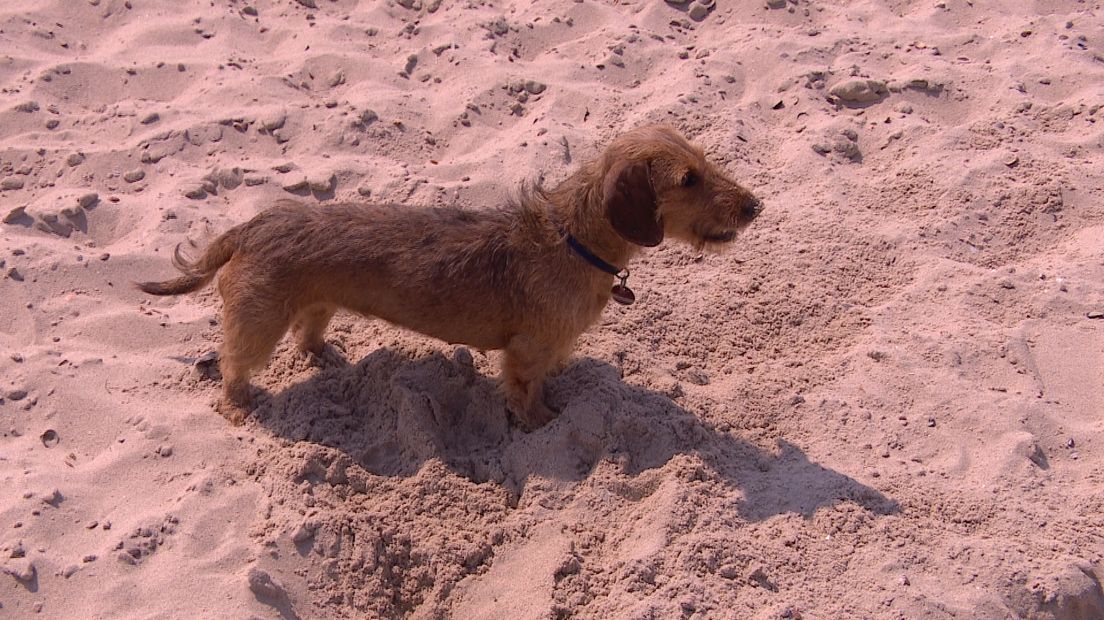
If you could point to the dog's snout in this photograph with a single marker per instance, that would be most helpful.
(752, 208)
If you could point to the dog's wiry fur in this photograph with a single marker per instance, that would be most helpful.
(500, 278)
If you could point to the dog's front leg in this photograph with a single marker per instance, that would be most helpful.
(525, 365)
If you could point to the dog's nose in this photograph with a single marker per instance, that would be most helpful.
(753, 208)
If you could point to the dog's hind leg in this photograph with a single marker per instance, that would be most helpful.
(253, 325)
(309, 327)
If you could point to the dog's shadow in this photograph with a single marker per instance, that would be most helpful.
(390, 414)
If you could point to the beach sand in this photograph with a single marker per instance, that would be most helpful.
(885, 401)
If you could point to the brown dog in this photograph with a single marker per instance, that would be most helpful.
(528, 277)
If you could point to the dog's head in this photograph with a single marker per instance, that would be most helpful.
(657, 184)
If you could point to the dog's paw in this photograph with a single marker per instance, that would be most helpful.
(535, 417)
(234, 413)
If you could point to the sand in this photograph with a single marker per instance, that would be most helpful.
(884, 402)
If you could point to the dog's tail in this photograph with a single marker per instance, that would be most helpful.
(198, 273)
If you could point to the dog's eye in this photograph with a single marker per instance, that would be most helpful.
(689, 179)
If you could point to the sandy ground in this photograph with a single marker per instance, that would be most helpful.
(887, 401)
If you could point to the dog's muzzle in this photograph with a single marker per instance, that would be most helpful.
(752, 209)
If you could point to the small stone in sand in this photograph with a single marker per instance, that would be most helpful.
(263, 585)
(151, 118)
(87, 200)
(297, 185)
(11, 183)
(364, 191)
(29, 106)
(52, 498)
(14, 274)
(249, 10)
(16, 395)
(74, 159)
(310, 4)
(165, 451)
(195, 193)
(535, 87)
(1096, 314)
(133, 176)
(859, 91)
(15, 215)
(274, 121)
(698, 11)
(323, 183)
(22, 569)
(50, 438)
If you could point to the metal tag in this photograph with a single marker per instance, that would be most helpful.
(622, 294)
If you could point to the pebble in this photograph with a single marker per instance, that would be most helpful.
(310, 4)
(535, 87)
(1011, 160)
(195, 193)
(859, 90)
(165, 451)
(88, 200)
(229, 178)
(15, 395)
(74, 159)
(50, 438)
(367, 117)
(365, 191)
(323, 183)
(698, 11)
(133, 176)
(11, 183)
(249, 10)
(297, 185)
(70, 571)
(91, 557)
(1096, 314)
(21, 568)
(151, 118)
(52, 498)
(262, 584)
(14, 274)
(15, 215)
(274, 121)
(847, 148)
(302, 533)
(776, 4)
(28, 107)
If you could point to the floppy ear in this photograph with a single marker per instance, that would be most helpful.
(630, 202)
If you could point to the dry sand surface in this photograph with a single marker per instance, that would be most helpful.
(884, 402)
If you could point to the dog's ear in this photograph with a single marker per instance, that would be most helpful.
(630, 202)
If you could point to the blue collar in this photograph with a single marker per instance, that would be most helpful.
(589, 256)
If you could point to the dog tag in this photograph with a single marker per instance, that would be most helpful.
(622, 294)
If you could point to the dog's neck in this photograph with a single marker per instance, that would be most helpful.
(583, 216)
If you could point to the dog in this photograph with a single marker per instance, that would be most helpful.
(526, 278)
